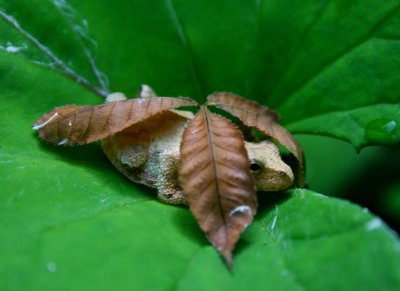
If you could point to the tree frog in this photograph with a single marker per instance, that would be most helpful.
(149, 153)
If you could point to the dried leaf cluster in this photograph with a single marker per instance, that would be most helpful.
(214, 170)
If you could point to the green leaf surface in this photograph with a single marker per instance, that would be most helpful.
(69, 221)
(342, 78)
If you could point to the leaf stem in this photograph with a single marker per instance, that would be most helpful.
(63, 68)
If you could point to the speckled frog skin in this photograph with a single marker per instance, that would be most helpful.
(148, 153)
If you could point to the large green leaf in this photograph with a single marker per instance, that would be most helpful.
(335, 68)
(68, 220)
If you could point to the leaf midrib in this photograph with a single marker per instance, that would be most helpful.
(214, 167)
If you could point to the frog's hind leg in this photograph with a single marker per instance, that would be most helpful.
(127, 149)
(167, 183)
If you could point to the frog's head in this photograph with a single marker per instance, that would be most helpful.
(269, 171)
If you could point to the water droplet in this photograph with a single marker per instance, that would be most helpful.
(374, 224)
(52, 267)
(382, 131)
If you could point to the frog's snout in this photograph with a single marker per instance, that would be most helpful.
(275, 180)
(286, 178)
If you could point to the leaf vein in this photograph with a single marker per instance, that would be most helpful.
(388, 17)
(185, 42)
(63, 68)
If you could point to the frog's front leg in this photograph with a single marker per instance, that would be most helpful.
(168, 189)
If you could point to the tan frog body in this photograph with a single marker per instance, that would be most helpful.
(148, 153)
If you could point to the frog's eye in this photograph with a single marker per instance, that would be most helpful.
(256, 166)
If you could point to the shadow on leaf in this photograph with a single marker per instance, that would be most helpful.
(268, 200)
(370, 187)
(92, 157)
(186, 224)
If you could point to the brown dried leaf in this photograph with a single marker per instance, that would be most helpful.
(237, 101)
(51, 116)
(265, 120)
(86, 124)
(215, 176)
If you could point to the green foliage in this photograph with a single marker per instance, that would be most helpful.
(68, 220)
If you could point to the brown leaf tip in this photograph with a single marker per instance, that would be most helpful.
(238, 220)
(40, 123)
(227, 255)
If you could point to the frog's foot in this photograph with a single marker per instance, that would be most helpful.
(176, 197)
(117, 96)
(167, 180)
(146, 91)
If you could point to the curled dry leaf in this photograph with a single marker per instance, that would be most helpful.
(237, 101)
(72, 125)
(216, 179)
(265, 120)
(55, 115)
